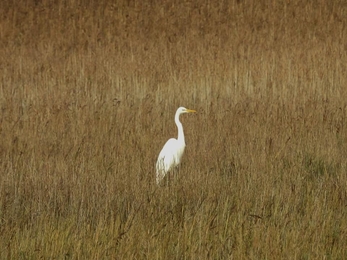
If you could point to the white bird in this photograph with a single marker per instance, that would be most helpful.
(171, 154)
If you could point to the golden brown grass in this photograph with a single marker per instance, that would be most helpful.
(88, 94)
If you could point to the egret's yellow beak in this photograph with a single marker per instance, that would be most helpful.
(191, 111)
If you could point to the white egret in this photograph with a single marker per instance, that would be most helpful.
(171, 154)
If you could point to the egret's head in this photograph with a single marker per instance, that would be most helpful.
(182, 110)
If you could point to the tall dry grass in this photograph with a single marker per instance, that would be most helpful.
(88, 93)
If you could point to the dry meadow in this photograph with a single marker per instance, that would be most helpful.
(88, 94)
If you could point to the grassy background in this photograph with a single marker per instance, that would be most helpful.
(87, 96)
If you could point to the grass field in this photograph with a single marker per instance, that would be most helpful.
(88, 95)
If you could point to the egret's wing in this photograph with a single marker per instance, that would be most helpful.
(166, 159)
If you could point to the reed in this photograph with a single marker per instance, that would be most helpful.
(88, 94)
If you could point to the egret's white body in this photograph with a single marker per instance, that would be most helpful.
(171, 154)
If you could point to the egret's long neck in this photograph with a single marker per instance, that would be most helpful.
(180, 128)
